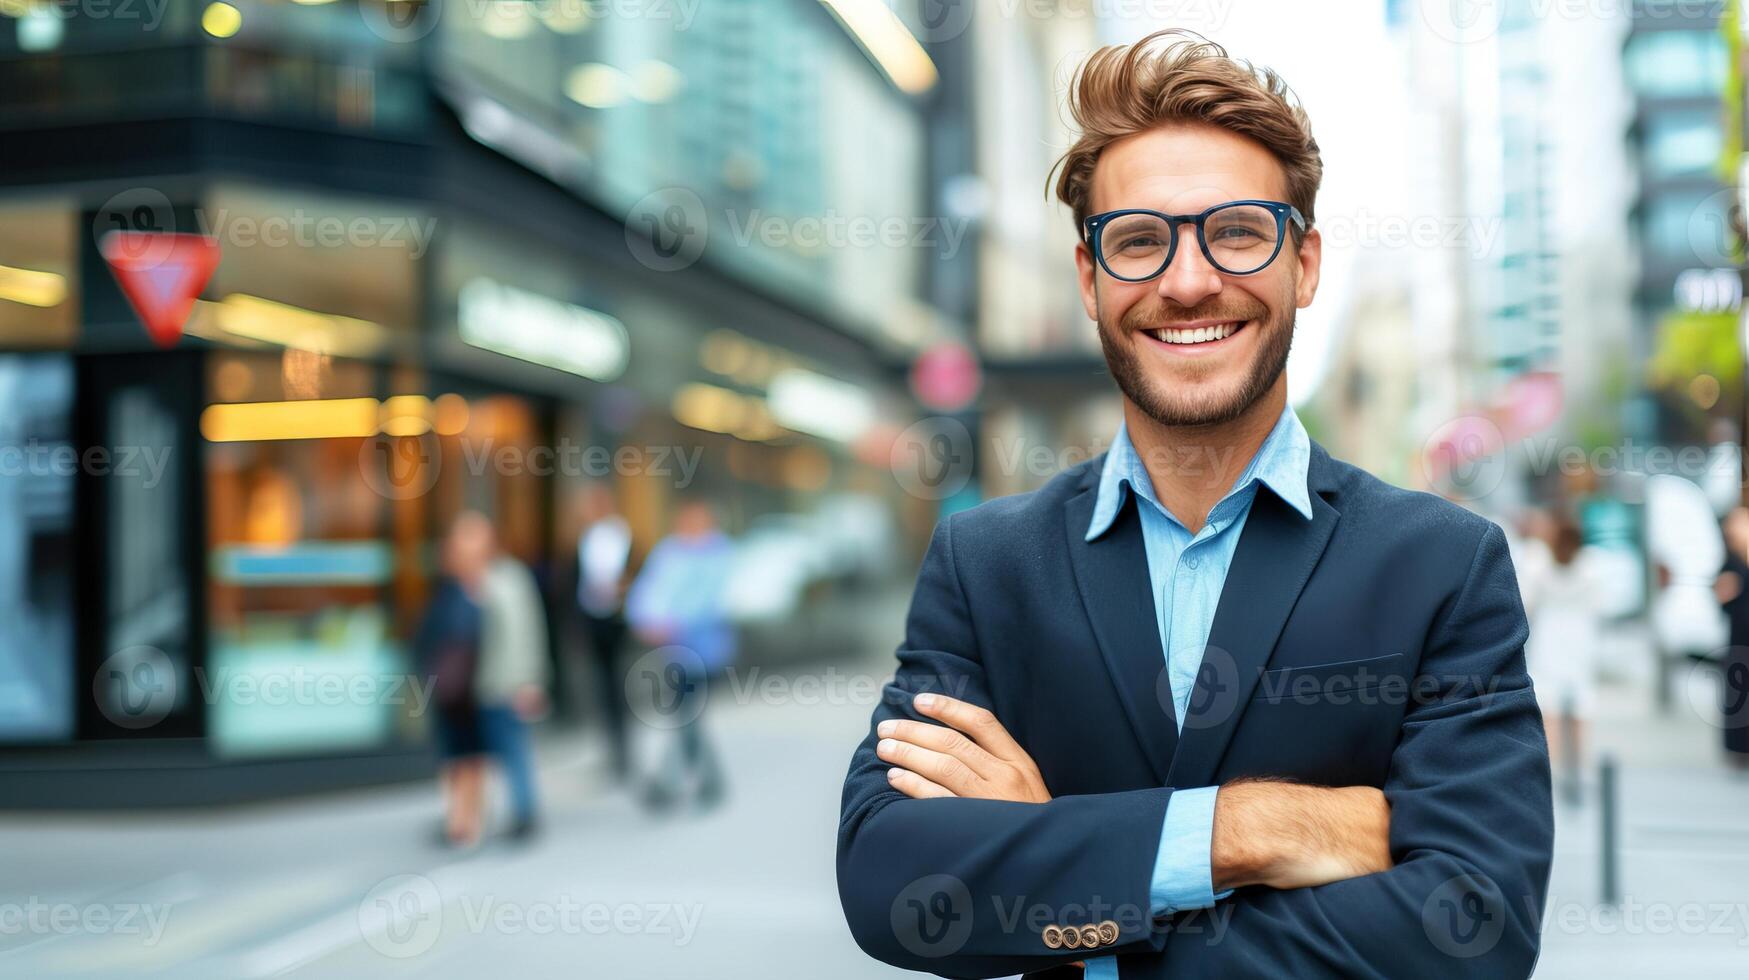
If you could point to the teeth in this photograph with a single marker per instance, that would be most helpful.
(1198, 335)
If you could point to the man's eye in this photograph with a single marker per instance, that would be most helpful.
(1140, 242)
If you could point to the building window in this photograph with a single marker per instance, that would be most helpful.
(1676, 64)
(1682, 143)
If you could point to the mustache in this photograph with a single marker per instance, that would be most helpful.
(1156, 317)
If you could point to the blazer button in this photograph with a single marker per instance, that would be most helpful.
(1071, 937)
(1053, 936)
(1107, 932)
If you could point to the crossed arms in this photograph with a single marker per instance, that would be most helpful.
(1443, 872)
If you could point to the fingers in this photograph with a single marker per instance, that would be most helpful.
(915, 786)
(937, 767)
(976, 722)
(938, 738)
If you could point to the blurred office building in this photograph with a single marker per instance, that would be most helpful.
(1497, 317)
(1049, 401)
(1681, 63)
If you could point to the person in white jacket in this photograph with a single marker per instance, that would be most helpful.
(510, 683)
(1566, 629)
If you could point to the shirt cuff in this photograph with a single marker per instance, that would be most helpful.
(1182, 876)
(1102, 967)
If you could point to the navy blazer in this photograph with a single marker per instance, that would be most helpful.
(1378, 644)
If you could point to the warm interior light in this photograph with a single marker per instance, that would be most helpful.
(32, 288)
(221, 20)
(405, 415)
(293, 326)
(709, 407)
(597, 86)
(655, 81)
(507, 21)
(888, 42)
(327, 418)
(823, 406)
(449, 414)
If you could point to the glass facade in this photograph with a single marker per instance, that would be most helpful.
(299, 554)
(1683, 143)
(337, 398)
(37, 468)
(1676, 64)
(728, 114)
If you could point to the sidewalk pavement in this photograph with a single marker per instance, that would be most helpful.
(352, 885)
(1683, 847)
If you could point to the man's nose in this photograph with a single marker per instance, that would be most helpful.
(1189, 279)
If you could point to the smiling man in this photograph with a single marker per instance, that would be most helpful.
(1213, 703)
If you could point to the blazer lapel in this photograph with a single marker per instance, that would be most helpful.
(1276, 555)
(1112, 573)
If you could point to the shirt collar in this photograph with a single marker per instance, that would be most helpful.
(1281, 464)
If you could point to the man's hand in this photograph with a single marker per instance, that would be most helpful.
(1285, 835)
(974, 756)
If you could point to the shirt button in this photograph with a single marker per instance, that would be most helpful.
(1193, 562)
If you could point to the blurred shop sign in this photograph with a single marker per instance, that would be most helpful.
(821, 406)
(542, 330)
(1709, 290)
(161, 273)
(1532, 401)
(946, 377)
(308, 563)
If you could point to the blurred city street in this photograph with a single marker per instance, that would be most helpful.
(292, 890)
(464, 465)
(743, 891)
(1683, 847)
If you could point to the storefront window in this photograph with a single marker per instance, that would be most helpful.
(36, 507)
(39, 289)
(302, 656)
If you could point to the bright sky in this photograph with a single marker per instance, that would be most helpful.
(1341, 67)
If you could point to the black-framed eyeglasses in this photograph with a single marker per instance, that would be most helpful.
(1238, 238)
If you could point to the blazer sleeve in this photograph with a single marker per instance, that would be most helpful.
(1472, 827)
(963, 887)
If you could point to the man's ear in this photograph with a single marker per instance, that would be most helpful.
(1311, 255)
(1088, 270)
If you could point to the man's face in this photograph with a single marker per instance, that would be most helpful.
(1185, 169)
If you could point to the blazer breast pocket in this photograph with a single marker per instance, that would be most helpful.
(1331, 684)
(1332, 724)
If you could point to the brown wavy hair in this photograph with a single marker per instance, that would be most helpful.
(1173, 76)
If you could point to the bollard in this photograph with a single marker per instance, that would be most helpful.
(1607, 792)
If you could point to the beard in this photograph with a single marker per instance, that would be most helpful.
(1181, 408)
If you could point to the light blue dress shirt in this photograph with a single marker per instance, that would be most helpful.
(1187, 573)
